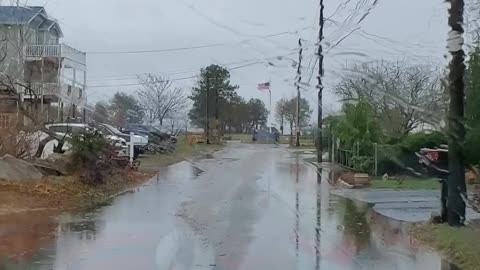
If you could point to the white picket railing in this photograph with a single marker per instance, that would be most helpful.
(59, 50)
(46, 88)
(43, 50)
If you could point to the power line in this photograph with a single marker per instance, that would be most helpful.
(177, 72)
(133, 84)
(199, 46)
(175, 79)
(174, 72)
(158, 50)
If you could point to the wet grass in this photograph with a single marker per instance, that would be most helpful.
(460, 245)
(247, 138)
(304, 146)
(65, 192)
(405, 184)
(152, 163)
(239, 137)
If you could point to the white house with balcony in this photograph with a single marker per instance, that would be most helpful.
(32, 53)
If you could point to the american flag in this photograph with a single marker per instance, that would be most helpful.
(264, 86)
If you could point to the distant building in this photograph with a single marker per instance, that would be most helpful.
(32, 54)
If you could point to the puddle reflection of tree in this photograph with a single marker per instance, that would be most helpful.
(357, 227)
(393, 233)
(86, 230)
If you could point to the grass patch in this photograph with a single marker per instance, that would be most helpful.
(304, 146)
(460, 245)
(240, 137)
(65, 192)
(284, 139)
(151, 163)
(406, 184)
(257, 142)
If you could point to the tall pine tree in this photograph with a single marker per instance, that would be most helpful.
(214, 87)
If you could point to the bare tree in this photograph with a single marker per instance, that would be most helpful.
(403, 96)
(281, 113)
(160, 98)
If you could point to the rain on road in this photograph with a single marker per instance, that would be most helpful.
(244, 207)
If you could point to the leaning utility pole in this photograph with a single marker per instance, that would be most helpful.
(320, 85)
(456, 125)
(208, 113)
(299, 80)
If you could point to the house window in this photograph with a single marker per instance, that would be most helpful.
(4, 121)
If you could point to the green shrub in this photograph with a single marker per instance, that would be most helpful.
(91, 156)
(415, 141)
(472, 146)
(400, 158)
(363, 164)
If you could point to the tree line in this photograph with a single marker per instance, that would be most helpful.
(158, 99)
(286, 113)
(215, 97)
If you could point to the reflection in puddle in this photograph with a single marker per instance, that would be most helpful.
(365, 237)
(23, 235)
(181, 171)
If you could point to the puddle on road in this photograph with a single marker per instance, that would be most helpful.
(207, 156)
(366, 238)
(23, 235)
(180, 171)
(318, 230)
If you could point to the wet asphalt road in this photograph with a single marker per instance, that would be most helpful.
(244, 207)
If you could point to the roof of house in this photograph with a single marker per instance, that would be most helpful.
(19, 15)
(23, 15)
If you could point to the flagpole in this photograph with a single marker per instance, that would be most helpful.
(270, 93)
(267, 86)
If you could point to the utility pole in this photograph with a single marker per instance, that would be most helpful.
(217, 117)
(456, 126)
(320, 85)
(299, 80)
(208, 113)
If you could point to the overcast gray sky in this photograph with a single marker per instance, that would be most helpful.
(410, 30)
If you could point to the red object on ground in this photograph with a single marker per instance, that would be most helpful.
(433, 155)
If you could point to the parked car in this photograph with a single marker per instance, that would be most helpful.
(154, 133)
(139, 142)
(159, 142)
(68, 129)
